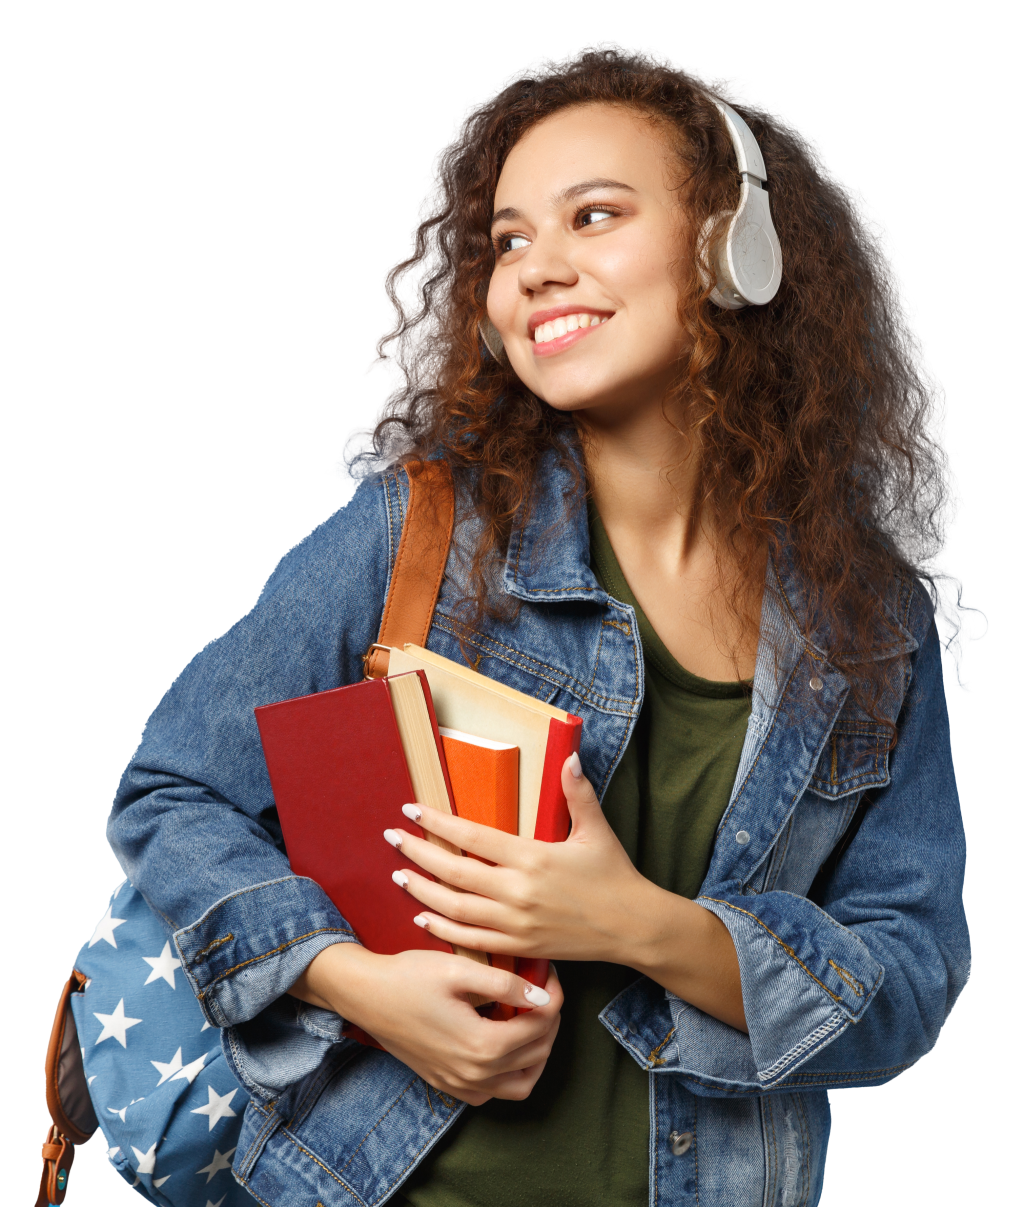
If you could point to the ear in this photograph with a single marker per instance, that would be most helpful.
(493, 341)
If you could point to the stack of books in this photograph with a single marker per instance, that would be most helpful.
(343, 762)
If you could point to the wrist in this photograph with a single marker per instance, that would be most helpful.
(665, 935)
(334, 976)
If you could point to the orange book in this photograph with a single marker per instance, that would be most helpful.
(484, 777)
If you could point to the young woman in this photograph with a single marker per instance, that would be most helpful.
(699, 528)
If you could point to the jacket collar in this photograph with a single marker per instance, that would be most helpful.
(549, 560)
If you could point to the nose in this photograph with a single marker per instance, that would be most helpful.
(545, 265)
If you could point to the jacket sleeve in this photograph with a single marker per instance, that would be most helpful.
(853, 990)
(193, 823)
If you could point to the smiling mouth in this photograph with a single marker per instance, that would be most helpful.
(566, 325)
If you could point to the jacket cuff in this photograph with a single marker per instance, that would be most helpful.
(251, 946)
(805, 979)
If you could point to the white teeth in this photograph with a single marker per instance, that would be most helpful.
(562, 326)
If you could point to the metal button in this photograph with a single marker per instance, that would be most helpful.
(742, 837)
(632, 1029)
(680, 1142)
(815, 684)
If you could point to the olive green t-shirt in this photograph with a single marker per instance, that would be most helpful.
(582, 1136)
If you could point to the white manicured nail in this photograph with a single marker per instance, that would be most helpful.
(401, 879)
(575, 766)
(423, 921)
(536, 996)
(394, 838)
(413, 812)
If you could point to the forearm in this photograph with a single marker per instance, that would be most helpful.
(687, 950)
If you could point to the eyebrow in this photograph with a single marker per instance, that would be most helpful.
(510, 213)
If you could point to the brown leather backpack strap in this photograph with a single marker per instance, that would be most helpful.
(419, 564)
(67, 1099)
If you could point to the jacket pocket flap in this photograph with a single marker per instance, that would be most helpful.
(856, 756)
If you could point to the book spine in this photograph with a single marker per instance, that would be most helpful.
(553, 813)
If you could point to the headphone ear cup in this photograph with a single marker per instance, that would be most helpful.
(751, 260)
(493, 341)
(724, 292)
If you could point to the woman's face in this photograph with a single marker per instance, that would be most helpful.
(587, 231)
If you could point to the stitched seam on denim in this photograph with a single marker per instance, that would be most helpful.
(785, 946)
(658, 1158)
(626, 1041)
(324, 1074)
(621, 625)
(262, 1136)
(324, 930)
(695, 1150)
(271, 1117)
(560, 679)
(253, 888)
(805, 1140)
(799, 1049)
(654, 1058)
(395, 1180)
(249, 1157)
(316, 1161)
(391, 526)
(243, 1182)
(626, 728)
(757, 758)
(203, 952)
(849, 978)
(775, 1154)
(379, 1122)
(790, 1080)
(597, 659)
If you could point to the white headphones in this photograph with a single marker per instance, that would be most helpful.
(748, 264)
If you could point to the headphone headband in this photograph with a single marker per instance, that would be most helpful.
(748, 264)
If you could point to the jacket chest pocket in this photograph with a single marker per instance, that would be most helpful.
(856, 756)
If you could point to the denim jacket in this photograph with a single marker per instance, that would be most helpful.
(837, 867)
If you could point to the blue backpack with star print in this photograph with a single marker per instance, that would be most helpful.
(132, 1055)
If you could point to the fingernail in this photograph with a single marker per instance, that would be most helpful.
(575, 766)
(394, 838)
(536, 996)
(422, 920)
(401, 879)
(413, 812)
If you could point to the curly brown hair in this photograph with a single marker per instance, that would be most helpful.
(809, 414)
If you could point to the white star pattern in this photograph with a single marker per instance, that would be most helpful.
(218, 1202)
(115, 1025)
(162, 966)
(204, 1027)
(218, 1107)
(105, 928)
(158, 1182)
(220, 1161)
(115, 1111)
(146, 1160)
(173, 1070)
(112, 1152)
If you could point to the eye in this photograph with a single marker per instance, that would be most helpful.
(507, 243)
(594, 214)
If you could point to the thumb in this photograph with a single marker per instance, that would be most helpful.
(584, 807)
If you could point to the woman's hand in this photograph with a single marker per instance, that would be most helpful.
(581, 899)
(415, 1005)
(570, 900)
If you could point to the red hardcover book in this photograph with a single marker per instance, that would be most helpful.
(340, 778)
(342, 763)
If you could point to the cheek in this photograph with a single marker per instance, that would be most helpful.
(502, 298)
